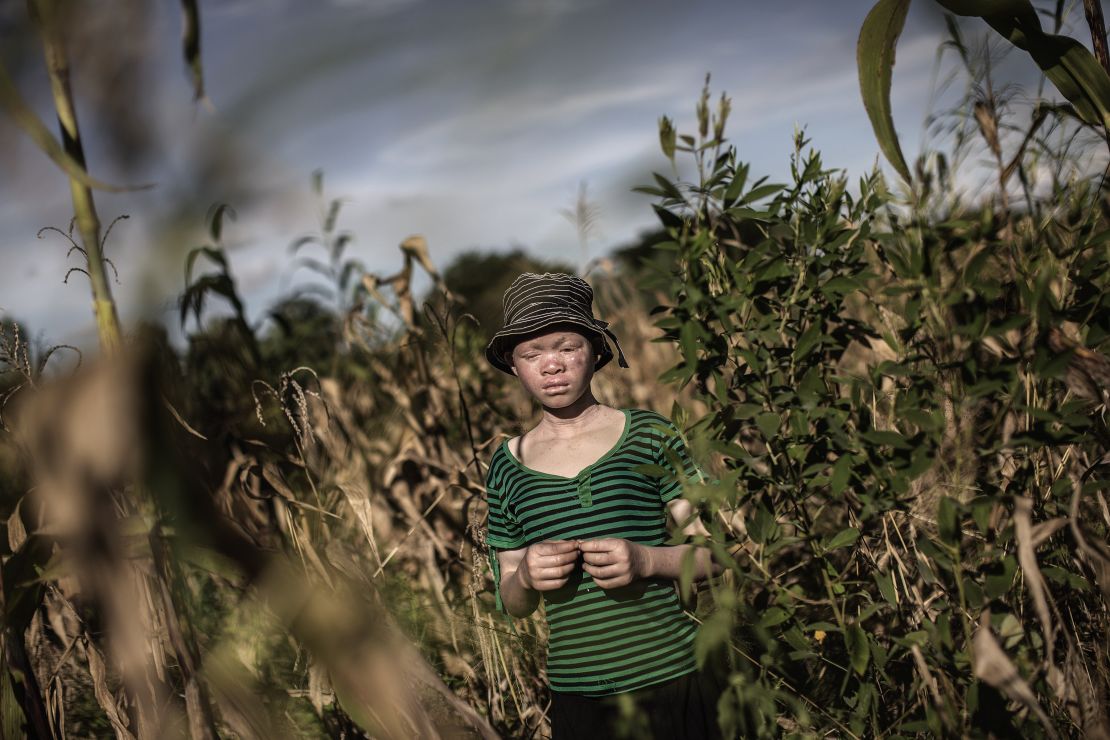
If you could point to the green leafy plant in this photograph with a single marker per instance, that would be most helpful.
(898, 456)
(220, 282)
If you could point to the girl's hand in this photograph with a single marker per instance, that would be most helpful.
(547, 565)
(615, 562)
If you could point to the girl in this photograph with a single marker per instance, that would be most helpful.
(577, 521)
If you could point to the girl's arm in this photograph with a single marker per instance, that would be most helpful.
(666, 562)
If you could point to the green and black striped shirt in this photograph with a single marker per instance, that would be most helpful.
(602, 641)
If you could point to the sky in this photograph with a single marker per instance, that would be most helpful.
(473, 124)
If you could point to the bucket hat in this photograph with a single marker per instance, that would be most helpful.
(535, 301)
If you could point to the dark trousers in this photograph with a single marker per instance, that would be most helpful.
(684, 708)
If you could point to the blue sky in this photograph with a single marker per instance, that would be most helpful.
(470, 123)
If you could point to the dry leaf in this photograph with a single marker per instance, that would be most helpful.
(991, 665)
(1034, 581)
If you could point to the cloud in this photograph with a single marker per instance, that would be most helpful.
(473, 124)
(521, 117)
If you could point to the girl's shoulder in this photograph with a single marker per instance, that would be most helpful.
(647, 414)
(499, 450)
(652, 428)
(649, 418)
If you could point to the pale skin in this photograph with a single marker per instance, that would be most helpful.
(556, 368)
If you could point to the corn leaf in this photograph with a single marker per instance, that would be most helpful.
(1066, 62)
(875, 63)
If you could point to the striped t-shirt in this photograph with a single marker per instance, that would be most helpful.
(602, 642)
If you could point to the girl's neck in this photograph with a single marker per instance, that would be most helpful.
(569, 420)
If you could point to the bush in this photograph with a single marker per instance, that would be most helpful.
(905, 449)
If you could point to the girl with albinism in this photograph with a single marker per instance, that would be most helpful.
(576, 524)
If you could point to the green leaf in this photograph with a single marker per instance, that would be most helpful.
(768, 424)
(739, 178)
(216, 221)
(668, 187)
(686, 572)
(316, 266)
(894, 369)
(761, 192)
(190, 45)
(842, 471)
(875, 63)
(213, 253)
(925, 570)
(761, 525)
(855, 639)
(884, 437)
(843, 538)
(797, 640)
(809, 339)
(840, 285)
(668, 219)
(974, 594)
(333, 215)
(1065, 577)
(667, 134)
(740, 213)
(947, 521)
(885, 582)
(688, 343)
(981, 511)
(1009, 629)
(303, 241)
(774, 616)
(712, 633)
(1067, 63)
(746, 410)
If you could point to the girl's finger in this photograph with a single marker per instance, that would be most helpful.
(564, 558)
(597, 545)
(598, 558)
(550, 584)
(560, 571)
(555, 547)
(608, 571)
(612, 582)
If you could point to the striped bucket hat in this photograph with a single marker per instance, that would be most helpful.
(534, 302)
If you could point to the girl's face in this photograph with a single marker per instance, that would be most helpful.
(556, 367)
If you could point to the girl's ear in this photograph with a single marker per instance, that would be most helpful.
(598, 345)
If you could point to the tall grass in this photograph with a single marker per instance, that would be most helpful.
(326, 457)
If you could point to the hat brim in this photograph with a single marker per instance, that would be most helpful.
(504, 340)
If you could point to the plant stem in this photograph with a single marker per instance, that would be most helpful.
(1093, 10)
(88, 224)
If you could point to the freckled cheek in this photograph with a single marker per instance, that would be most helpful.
(533, 373)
